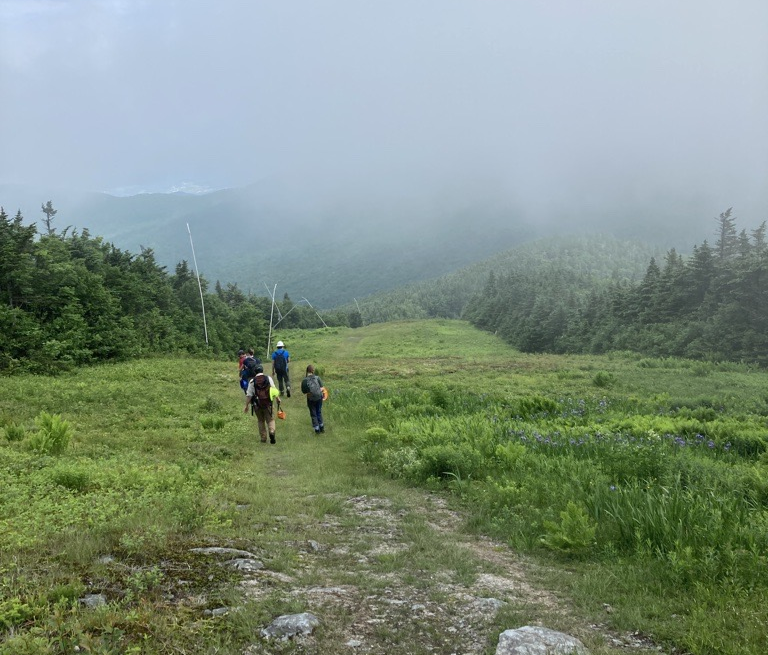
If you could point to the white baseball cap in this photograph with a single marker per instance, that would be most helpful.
(279, 344)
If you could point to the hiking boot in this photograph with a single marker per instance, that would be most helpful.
(288, 391)
(272, 438)
(322, 428)
(317, 430)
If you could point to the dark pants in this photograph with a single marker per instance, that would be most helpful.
(283, 382)
(316, 413)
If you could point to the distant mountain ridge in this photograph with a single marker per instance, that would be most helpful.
(334, 251)
(252, 237)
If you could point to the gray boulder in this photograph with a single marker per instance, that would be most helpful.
(532, 640)
(290, 625)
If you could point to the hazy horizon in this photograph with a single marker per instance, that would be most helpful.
(552, 108)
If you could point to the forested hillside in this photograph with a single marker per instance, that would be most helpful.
(711, 305)
(68, 299)
(580, 262)
(258, 235)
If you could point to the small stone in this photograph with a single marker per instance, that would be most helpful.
(216, 550)
(94, 600)
(245, 564)
(354, 643)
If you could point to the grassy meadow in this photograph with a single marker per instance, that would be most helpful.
(636, 484)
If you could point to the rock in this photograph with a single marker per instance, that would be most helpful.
(533, 640)
(94, 600)
(219, 611)
(245, 564)
(490, 605)
(290, 625)
(314, 546)
(354, 643)
(216, 550)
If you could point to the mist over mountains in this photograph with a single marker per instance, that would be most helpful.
(332, 251)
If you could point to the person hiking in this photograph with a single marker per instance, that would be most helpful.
(248, 368)
(260, 393)
(312, 386)
(280, 359)
(240, 360)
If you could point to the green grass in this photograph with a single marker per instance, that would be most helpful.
(637, 483)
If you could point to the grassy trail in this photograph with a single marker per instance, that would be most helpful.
(164, 461)
(388, 568)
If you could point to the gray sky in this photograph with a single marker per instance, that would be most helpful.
(541, 104)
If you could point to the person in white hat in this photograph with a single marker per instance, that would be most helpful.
(280, 359)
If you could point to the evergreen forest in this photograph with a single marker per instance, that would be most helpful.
(68, 299)
(712, 305)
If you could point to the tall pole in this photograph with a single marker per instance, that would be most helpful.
(199, 284)
(271, 315)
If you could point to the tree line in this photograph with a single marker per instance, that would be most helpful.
(712, 305)
(70, 299)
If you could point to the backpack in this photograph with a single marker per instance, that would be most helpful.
(281, 365)
(249, 367)
(261, 397)
(313, 388)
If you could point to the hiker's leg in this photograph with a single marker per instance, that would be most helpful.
(281, 382)
(271, 424)
(262, 418)
(320, 415)
(312, 404)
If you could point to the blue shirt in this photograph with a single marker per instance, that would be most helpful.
(281, 351)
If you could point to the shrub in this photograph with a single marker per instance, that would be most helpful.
(603, 379)
(214, 423)
(443, 461)
(76, 479)
(575, 534)
(14, 432)
(53, 434)
(211, 405)
(535, 407)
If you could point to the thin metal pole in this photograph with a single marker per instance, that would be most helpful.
(199, 284)
(316, 312)
(272, 295)
(271, 316)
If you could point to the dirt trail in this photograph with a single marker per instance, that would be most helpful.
(371, 579)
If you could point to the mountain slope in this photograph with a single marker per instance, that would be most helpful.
(256, 237)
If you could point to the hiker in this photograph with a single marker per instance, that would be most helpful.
(240, 360)
(313, 387)
(259, 396)
(248, 369)
(280, 359)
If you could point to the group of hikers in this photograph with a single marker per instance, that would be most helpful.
(261, 392)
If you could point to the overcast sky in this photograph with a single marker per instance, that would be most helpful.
(541, 102)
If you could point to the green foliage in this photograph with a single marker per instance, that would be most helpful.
(212, 423)
(603, 379)
(15, 432)
(53, 434)
(535, 407)
(14, 612)
(574, 535)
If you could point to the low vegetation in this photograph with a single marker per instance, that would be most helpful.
(638, 484)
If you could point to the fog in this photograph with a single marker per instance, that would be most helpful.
(557, 109)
